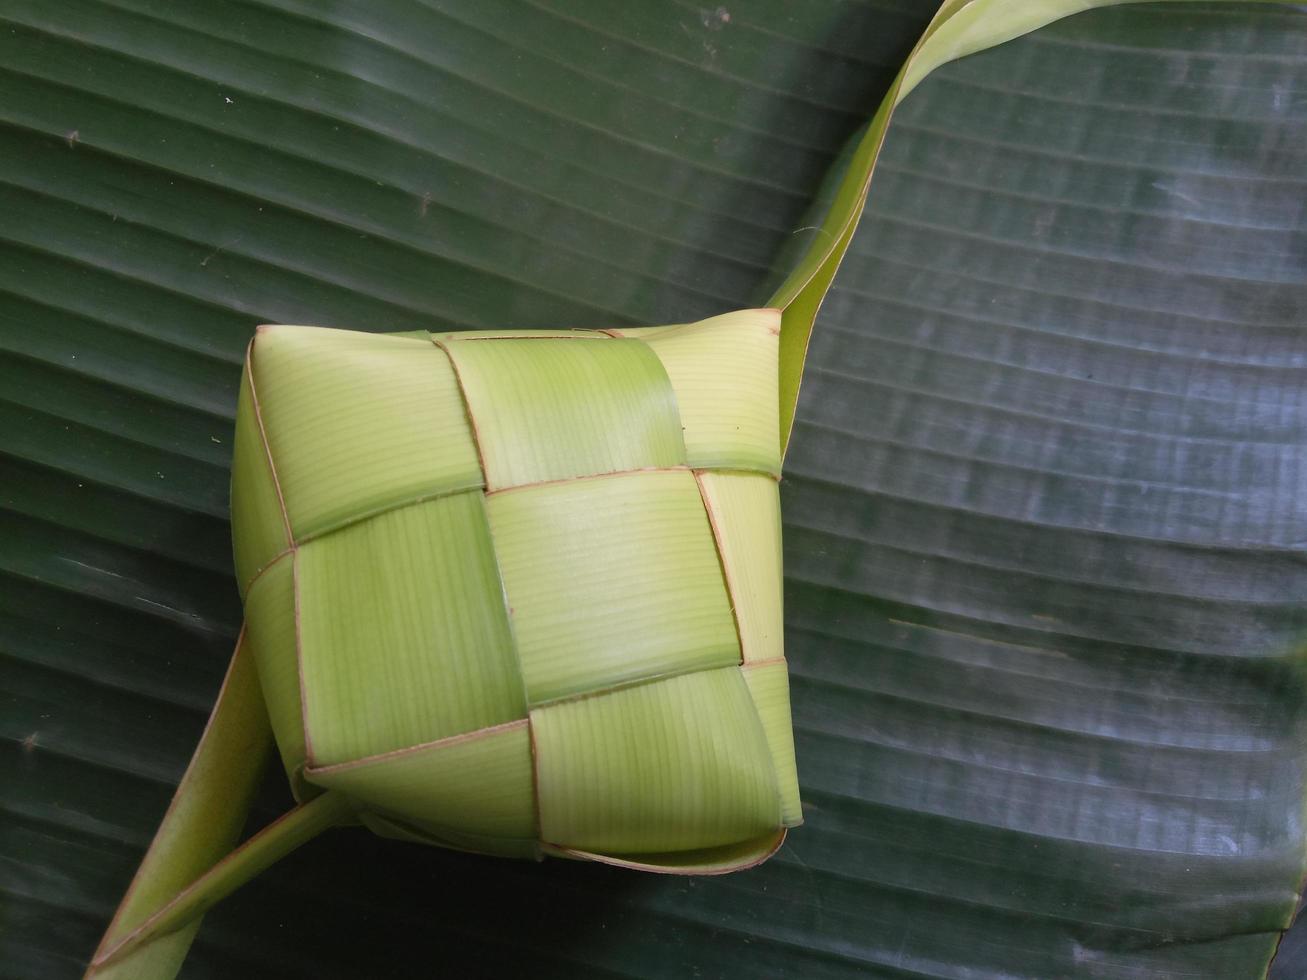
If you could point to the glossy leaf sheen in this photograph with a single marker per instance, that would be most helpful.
(1042, 511)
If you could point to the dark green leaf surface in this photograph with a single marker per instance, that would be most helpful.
(1291, 957)
(1044, 532)
(1043, 541)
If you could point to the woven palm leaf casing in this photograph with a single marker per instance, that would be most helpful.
(520, 592)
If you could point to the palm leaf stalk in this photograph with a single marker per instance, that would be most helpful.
(516, 593)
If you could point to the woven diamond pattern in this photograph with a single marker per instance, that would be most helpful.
(520, 593)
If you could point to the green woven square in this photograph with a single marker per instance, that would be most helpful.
(417, 589)
(358, 422)
(520, 593)
(582, 615)
(481, 784)
(716, 368)
(671, 765)
(553, 409)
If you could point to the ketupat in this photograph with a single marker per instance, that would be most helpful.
(514, 593)
(490, 584)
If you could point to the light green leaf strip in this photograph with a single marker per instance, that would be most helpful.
(611, 579)
(724, 373)
(256, 501)
(270, 627)
(403, 634)
(745, 512)
(289, 831)
(959, 28)
(982, 24)
(769, 686)
(703, 861)
(358, 423)
(611, 407)
(202, 824)
(800, 295)
(670, 765)
(479, 784)
(440, 338)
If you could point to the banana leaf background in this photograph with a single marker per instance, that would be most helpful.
(1044, 529)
